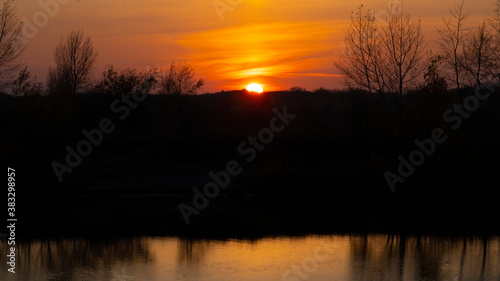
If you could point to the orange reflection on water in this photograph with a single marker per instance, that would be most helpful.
(319, 258)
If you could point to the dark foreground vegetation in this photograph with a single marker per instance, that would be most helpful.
(323, 173)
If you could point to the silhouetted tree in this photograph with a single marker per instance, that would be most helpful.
(479, 55)
(297, 89)
(434, 82)
(383, 58)
(495, 20)
(54, 83)
(179, 80)
(361, 63)
(75, 57)
(125, 81)
(451, 43)
(403, 43)
(495, 23)
(149, 80)
(118, 82)
(11, 40)
(25, 85)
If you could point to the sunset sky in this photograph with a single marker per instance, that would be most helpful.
(278, 43)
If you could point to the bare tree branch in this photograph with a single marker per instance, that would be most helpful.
(383, 58)
(403, 42)
(495, 23)
(451, 42)
(479, 55)
(179, 80)
(75, 58)
(11, 40)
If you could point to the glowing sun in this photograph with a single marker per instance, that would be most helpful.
(254, 87)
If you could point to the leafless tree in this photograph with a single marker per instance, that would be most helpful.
(495, 23)
(118, 82)
(26, 85)
(362, 54)
(479, 55)
(11, 40)
(53, 82)
(179, 80)
(403, 43)
(125, 81)
(434, 83)
(75, 57)
(383, 57)
(451, 42)
(495, 20)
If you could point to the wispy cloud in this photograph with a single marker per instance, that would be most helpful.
(277, 49)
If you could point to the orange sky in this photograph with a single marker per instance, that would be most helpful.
(278, 43)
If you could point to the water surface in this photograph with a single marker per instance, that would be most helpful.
(332, 257)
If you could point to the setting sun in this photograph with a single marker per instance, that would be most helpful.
(254, 87)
